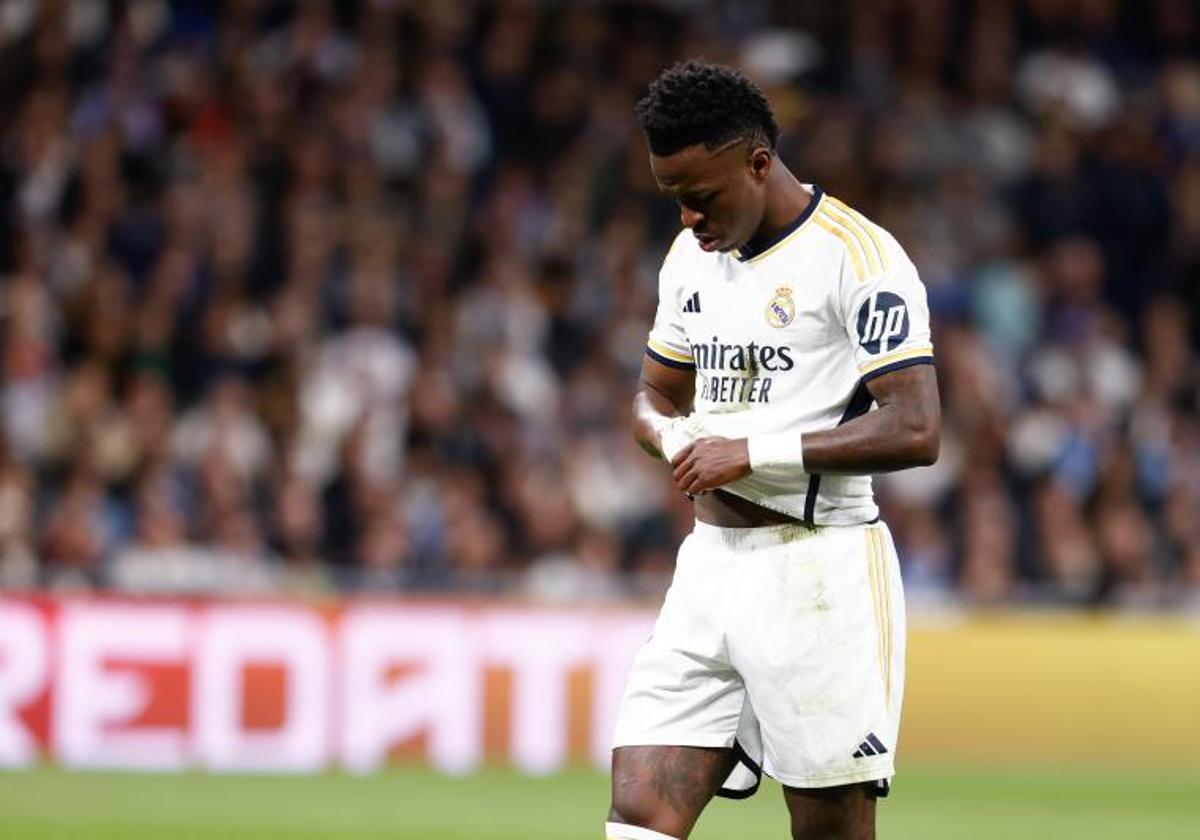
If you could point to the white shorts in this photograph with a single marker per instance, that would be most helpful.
(785, 643)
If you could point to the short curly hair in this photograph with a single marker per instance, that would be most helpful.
(696, 102)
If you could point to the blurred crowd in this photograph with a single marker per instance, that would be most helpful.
(315, 296)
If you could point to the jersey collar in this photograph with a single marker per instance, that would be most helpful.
(746, 252)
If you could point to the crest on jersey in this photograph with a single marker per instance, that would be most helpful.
(781, 309)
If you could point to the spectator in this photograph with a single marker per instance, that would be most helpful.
(299, 296)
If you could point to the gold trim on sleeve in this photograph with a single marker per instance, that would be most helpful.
(915, 352)
(667, 352)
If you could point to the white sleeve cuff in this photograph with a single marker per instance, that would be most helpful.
(675, 433)
(783, 450)
(675, 437)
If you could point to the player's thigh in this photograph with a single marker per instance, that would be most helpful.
(664, 788)
(819, 647)
(846, 812)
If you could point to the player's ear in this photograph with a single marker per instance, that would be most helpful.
(760, 162)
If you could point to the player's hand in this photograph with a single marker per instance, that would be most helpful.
(710, 462)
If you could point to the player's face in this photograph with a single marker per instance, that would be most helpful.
(721, 193)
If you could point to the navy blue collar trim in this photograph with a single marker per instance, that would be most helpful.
(747, 253)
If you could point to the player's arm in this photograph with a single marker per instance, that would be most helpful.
(663, 393)
(904, 432)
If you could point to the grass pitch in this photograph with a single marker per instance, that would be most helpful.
(927, 803)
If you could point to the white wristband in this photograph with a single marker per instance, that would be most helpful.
(775, 451)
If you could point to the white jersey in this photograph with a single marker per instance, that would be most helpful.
(785, 339)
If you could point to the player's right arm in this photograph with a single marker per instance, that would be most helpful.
(667, 386)
(664, 393)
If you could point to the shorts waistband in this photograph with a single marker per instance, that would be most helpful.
(749, 539)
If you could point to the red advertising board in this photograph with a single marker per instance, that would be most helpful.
(292, 687)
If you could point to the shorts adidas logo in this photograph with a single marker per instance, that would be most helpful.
(693, 303)
(871, 746)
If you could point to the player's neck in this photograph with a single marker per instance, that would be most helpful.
(787, 200)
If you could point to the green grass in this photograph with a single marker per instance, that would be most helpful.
(927, 803)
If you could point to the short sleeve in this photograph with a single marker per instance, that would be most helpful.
(887, 318)
(668, 342)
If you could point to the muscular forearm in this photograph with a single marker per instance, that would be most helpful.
(902, 433)
(877, 442)
(881, 441)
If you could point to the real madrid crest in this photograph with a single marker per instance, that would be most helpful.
(781, 309)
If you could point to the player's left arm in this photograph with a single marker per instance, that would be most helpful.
(886, 318)
(903, 432)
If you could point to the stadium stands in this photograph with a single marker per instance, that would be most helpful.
(305, 297)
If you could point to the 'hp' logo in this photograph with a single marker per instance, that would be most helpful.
(882, 323)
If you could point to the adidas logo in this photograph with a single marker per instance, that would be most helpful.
(871, 746)
(693, 303)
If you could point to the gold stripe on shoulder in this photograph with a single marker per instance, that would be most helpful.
(848, 241)
(866, 225)
(846, 225)
(855, 224)
(869, 252)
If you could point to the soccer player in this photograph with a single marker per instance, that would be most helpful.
(790, 359)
